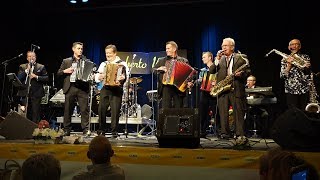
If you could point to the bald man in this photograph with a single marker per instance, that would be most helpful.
(100, 152)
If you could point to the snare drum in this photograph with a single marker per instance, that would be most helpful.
(152, 95)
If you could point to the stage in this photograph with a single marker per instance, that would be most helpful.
(141, 157)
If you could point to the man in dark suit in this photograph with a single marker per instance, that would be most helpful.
(229, 63)
(169, 92)
(36, 75)
(74, 90)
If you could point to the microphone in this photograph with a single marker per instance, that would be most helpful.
(220, 51)
(38, 47)
(134, 55)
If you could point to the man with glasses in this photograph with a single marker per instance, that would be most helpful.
(226, 63)
(296, 80)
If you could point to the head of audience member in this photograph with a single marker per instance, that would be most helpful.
(77, 48)
(228, 45)
(278, 164)
(111, 52)
(171, 48)
(294, 45)
(41, 166)
(207, 58)
(251, 82)
(31, 57)
(100, 150)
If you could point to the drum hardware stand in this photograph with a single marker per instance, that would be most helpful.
(126, 105)
(91, 85)
(151, 124)
(5, 64)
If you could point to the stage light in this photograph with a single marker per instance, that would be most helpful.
(84, 1)
(73, 1)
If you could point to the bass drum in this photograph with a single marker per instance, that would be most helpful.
(95, 105)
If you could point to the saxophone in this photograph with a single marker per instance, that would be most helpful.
(297, 60)
(226, 83)
(313, 106)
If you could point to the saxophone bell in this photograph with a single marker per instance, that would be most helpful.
(313, 106)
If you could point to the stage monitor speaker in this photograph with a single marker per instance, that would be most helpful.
(297, 130)
(16, 127)
(178, 127)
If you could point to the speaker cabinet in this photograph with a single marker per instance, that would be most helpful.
(297, 130)
(16, 127)
(178, 127)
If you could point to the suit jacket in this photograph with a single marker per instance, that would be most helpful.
(66, 63)
(36, 88)
(162, 62)
(239, 82)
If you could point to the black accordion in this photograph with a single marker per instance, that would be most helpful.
(84, 71)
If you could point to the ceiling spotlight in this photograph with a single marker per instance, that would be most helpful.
(73, 1)
(84, 1)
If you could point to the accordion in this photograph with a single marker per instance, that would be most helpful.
(113, 73)
(84, 71)
(207, 79)
(178, 74)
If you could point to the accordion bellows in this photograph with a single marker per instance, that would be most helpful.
(207, 80)
(178, 74)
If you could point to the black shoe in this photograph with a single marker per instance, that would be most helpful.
(115, 135)
(224, 136)
(101, 133)
(203, 135)
(66, 133)
(86, 132)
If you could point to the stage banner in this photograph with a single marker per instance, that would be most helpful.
(141, 62)
(138, 62)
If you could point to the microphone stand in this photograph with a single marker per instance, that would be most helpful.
(28, 80)
(127, 93)
(5, 63)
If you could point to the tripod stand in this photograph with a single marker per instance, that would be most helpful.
(5, 63)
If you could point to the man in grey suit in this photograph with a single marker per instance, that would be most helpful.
(74, 89)
(229, 63)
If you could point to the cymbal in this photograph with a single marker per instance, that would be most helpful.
(135, 80)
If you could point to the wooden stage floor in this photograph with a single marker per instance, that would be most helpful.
(133, 149)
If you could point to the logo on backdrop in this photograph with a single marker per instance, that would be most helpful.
(142, 62)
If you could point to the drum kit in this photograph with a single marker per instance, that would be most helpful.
(129, 98)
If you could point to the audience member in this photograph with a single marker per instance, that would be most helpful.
(100, 153)
(278, 164)
(41, 166)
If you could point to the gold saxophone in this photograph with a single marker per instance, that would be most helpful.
(297, 60)
(313, 106)
(226, 83)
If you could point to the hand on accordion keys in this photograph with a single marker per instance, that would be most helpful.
(162, 68)
(68, 70)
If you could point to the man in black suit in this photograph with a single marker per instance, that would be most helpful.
(36, 75)
(227, 62)
(169, 92)
(74, 90)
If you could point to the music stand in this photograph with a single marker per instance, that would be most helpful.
(14, 79)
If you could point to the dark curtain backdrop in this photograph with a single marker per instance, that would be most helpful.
(257, 27)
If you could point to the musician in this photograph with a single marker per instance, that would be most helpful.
(296, 80)
(226, 63)
(207, 102)
(110, 95)
(256, 114)
(37, 73)
(169, 93)
(74, 90)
